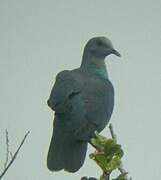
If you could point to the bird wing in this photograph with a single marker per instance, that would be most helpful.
(65, 152)
(62, 92)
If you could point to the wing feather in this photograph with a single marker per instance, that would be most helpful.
(64, 89)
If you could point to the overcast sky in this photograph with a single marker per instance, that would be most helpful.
(40, 38)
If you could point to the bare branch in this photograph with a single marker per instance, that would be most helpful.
(7, 149)
(113, 135)
(15, 154)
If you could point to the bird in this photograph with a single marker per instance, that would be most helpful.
(83, 101)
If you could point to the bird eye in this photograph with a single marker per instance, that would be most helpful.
(99, 43)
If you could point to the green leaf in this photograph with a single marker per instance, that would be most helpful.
(99, 141)
(113, 164)
(114, 150)
(101, 160)
(97, 144)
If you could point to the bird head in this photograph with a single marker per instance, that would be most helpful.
(100, 47)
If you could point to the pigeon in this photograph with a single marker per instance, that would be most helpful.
(83, 101)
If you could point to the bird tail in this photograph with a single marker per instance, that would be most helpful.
(65, 152)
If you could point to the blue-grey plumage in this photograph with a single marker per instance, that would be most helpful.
(83, 101)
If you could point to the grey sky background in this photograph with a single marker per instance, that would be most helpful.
(40, 38)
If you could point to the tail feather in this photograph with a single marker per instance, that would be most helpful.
(65, 152)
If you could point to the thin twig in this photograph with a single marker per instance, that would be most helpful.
(15, 155)
(7, 149)
(94, 146)
(113, 135)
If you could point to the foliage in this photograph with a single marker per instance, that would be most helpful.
(108, 156)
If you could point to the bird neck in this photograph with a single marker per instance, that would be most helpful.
(95, 65)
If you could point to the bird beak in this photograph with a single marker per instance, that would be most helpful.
(116, 53)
